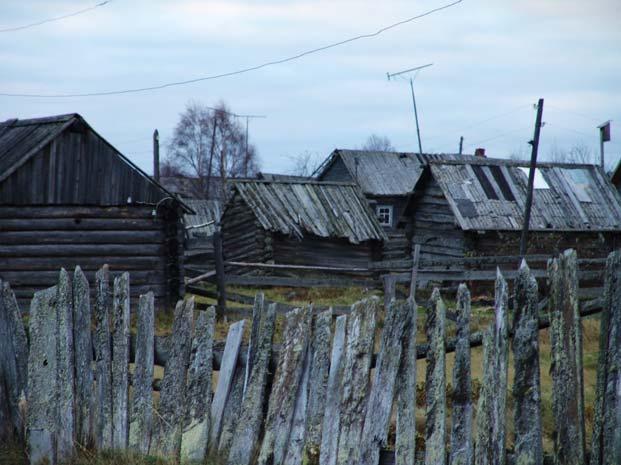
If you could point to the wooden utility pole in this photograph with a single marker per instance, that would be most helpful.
(531, 179)
(156, 155)
(461, 145)
(420, 146)
(213, 145)
(220, 280)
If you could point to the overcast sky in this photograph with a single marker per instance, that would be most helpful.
(492, 61)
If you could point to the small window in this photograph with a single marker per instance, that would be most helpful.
(384, 214)
(540, 182)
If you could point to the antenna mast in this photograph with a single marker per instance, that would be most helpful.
(401, 73)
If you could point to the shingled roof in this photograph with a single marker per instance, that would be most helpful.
(306, 207)
(489, 194)
(383, 173)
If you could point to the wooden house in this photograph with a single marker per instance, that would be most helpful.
(301, 222)
(68, 197)
(387, 179)
(475, 207)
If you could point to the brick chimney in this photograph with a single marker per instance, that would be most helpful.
(480, 152)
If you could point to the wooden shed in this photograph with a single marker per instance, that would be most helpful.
(387, 180)
(475, 207)
(68, 197)
(300, 223)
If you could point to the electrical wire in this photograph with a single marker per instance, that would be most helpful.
(239, 71)
(56, 18)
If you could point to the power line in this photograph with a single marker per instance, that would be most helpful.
(56, 18)
(499, 136)
(243, 70)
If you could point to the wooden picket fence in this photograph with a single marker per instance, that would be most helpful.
(321, 396)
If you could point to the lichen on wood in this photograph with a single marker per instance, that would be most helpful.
(120, 362)
(103, 360)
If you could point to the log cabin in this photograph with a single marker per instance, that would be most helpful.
(68, 197)
(300, 223)
(475, 207)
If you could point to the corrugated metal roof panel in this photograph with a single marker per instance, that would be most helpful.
(321, 209)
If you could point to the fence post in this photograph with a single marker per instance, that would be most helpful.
(566, 339)
(82, 321)
(42, 380)
(390, 283)
(415, 264)
(606, 443)
(484, 452)
(198, 399)
(435, 382)
(285, 387)
(141, 421)
(462, 452)
(317, 390)
(355, 379)
(225, 381)
(332, 412)
(103, 361)
(13, 361)
(379, 405)
(120, 362)
(405, 441)
(527, 384)
(167, 441)
(251, 418)
(65, 433)
(219, 261)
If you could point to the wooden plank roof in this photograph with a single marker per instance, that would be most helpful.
(324, 209)
(489, 194)
(383, 173)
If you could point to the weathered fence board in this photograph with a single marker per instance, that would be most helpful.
(141, 418)
(84, 379)
(331, 421)
(225, 381)
(251, 418)
(405, 440)
(170, 413)
(566, 339)
(527, 384)
(355, 378)
(379, 406)
(120, 362)
(231, 412)
(462, 451)
(606, 443)
(103, 360)
(435, 382)
(287, 379)
(42, 378)
(198, 398)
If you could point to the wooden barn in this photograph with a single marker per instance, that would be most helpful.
(68, 197)
(387, 180)
(301, 222)
(475, 207)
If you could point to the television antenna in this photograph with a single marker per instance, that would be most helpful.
(401, 74)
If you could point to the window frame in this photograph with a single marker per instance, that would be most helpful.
(389, 211)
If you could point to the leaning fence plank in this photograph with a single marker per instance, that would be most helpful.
(332, 411)
(251, 417)
(141, 420)
(13, 359)
(484, 451)
(462, 452)
(225, 380)
(287, 378)
(606, 443)
(42, 367)
(405, 440)
(82, 321)
(120, 361)
(198, 399)
(501, 367)
(103, 360)
(435, 382)
(566, 339)
(527, 384)
(318, 385)
(65, 400)
(257, 309)
(355, 379)
(232, 409)
(379, 406)
(167, 441)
